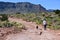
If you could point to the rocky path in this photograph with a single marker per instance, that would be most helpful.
(31, 33)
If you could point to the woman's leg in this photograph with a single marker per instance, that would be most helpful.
(44, 27)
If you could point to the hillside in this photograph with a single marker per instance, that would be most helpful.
(22, 7)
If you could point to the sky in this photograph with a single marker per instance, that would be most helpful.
(48, 4)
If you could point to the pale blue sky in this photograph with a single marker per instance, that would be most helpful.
(48, 4)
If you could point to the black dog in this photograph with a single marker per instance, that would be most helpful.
(36, 27)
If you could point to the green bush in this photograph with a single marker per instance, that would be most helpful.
(4, 17)
(19, 26)
(51, 17)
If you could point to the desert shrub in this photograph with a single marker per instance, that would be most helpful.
(57, 11)
(38, 22)
(50, 27)
(8, 24)
(0, 24)
(5, 24)
(56, 27)
(18, 26)
(4, 17)
(18, 13)
(51, 17)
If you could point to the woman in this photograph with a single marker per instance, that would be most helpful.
(44, 24)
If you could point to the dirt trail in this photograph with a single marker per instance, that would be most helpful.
(31, 33)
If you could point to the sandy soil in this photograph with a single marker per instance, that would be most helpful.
(32, 33)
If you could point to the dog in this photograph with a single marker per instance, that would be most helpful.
(36, 27)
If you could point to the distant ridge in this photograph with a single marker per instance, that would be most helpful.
(22, 7)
